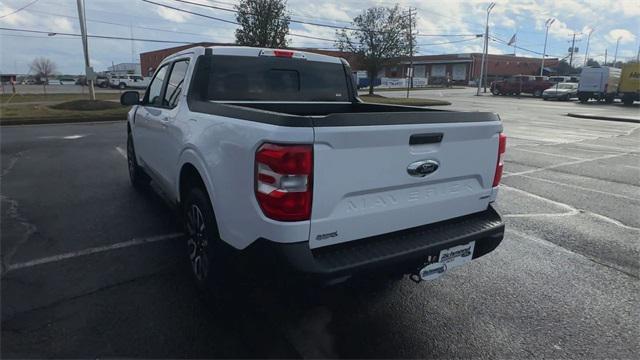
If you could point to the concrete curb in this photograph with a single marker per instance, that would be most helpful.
(42, 121)
(608, 118)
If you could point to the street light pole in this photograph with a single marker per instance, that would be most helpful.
(546, 34)
(485, 51)
(586, 53)
(615, 54)
(85, 47)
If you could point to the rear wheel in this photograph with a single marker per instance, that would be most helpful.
(206, 253)
(609, 99)
(583, 99)
(495, 91)
(627, 100)
(139, 179)
(122, 86)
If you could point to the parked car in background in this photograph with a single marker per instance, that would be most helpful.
(521, 84)
(67, 81)
(598, 82)
(28, 82)
(128, 81)
(629, 88)
(102, 81)
(561, 91)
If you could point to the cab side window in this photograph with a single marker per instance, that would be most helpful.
(176, 80)
(155, 89)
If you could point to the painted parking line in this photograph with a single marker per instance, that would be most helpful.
(121, 151)
(571, 210)
(578, 187)
(92, 250)
(548, 154)
(566, 164)
(557, 247)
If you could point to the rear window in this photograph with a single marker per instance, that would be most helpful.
(242, 78)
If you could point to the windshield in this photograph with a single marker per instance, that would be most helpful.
(244, 78)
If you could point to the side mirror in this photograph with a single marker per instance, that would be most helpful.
(130, 98)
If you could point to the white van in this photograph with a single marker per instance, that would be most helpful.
(598, 82)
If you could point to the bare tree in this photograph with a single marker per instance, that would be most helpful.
(381, 38)
(263, 23)
(43, 68)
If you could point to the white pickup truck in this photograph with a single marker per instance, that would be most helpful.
(273, 151)
(128, 81)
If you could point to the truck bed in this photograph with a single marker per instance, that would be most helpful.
(334, 114)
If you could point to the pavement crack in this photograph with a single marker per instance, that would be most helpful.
(13, 213)
(11, 163)
(160, 272)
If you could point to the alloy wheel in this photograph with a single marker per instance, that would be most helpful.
(197, 243)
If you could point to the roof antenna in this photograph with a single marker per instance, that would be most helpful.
(208, 52)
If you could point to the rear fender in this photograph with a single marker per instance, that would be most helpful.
(192, 157)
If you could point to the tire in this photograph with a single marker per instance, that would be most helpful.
(122, 86)
(207, 255)
(495, 92)
(139, 179)
(583, 99)
(627, 100)
(537, 93)
(609, 99)
(545, 98)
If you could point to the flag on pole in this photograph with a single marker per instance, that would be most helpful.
(513, 40)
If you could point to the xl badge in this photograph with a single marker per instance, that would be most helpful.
(422, 168)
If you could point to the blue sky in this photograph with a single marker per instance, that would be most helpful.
(610, 19)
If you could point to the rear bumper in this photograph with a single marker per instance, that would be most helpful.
(402, 251)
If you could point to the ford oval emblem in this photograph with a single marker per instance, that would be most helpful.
(422, 168)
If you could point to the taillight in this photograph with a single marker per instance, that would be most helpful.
(283, 181)
(502, 147)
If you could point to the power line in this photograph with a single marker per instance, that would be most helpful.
(448, 35)
(52, 33)
(521, 48)
(448, 42)
(22, 8)
(118, 24)
(191, 12)
(338, 27)
(228, 21)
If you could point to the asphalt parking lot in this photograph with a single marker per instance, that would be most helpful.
(92, 268)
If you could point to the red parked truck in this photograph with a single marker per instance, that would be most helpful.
(521, 84)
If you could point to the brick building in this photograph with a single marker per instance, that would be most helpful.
(463, 68)
(150, 60)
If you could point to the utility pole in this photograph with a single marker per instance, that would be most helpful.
(615, 54)
(410, 69)
(131, 33)
(573, 49)
(605, 57)
(586, 53)
(85, 47)
(547, 24)
(484, 52)
(638, 54)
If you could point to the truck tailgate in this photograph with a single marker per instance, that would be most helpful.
(362, 186)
